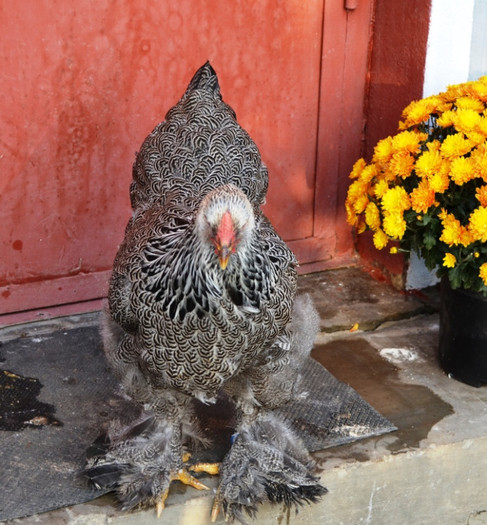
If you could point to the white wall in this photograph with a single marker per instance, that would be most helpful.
(449, 42)
(478, 49)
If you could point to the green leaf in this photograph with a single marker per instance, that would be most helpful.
(429, 240)
(455, 276)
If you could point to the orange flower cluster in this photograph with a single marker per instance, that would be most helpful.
(426, 186)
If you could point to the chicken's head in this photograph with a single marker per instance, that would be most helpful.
(225, 221)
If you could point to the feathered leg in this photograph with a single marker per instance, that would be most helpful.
(268, 461)
(140, 460)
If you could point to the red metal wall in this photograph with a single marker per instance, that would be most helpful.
(83, 82)
(396, 78)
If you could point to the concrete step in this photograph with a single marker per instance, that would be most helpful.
(431, 471)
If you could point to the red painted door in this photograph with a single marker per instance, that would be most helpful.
(84, 82)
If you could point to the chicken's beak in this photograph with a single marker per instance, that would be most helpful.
(223, 256)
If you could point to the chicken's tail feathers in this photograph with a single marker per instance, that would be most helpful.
(205, 78)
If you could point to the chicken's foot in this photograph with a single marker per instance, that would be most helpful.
(183, 476)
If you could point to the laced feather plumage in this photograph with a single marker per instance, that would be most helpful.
(200, 300)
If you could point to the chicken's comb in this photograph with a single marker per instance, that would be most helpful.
(226, 229)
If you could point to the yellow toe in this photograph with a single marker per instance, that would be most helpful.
(215, 509)
(185, 477)
(161, 503)
(208, 468)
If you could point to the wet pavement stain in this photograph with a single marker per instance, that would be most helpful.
(414, 409)
(19, 406)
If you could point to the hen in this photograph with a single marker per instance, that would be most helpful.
(201, 301)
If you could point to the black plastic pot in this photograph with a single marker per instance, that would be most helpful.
(463, 334)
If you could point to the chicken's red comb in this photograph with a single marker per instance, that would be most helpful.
(226, 229)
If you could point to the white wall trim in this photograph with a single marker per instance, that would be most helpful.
(449, 44)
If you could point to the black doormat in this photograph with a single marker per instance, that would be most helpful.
(57, 395)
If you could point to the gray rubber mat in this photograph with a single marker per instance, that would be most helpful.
(57, 395)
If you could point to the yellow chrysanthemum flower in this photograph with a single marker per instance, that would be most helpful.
(422, 197)
(477, 89)
(451, 235)
(481, 195)
(434, 145)
(388, 174)
(483, 273)
(394, 225)
(360, 203)
(402, 164)
(419, 111)
(482, 127)
(479, 159)
(466, 120)
(469, 103)
(454, 92)
(372, 216)
(361, 226)
(383, 151)
(393, 250)
(462, 170)
(440, 181)
(380, 239)
(395, 200)
(443, 214)
(357, 168)
(466, 237)
(455, 146)
(380, 188)
(352, 218)
(428, 163)
(477, 224)
(356, 200)
(453, 232)
(475, 137)
(407, 141)
(447, 119)
(449, 260)
(452, 229)
(356, 190)
(368, 173)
